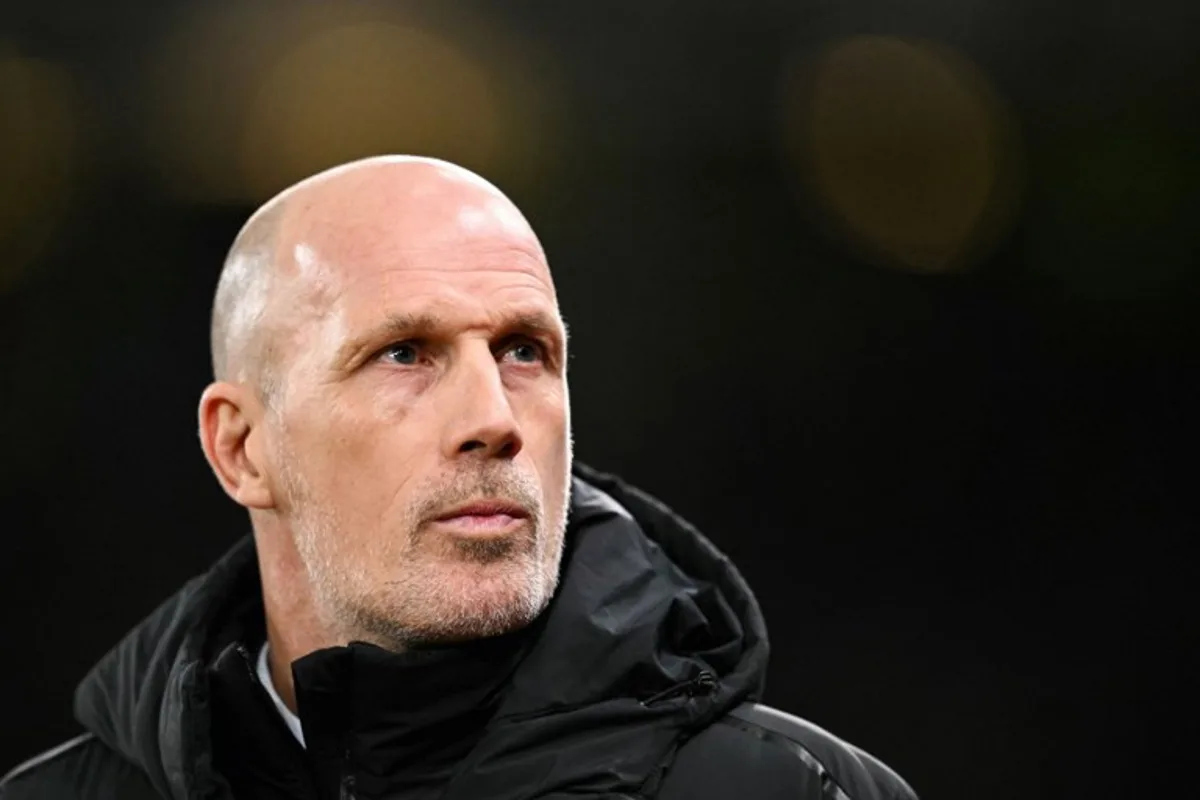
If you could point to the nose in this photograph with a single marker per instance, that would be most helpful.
(479, 416)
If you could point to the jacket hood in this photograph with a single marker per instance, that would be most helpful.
(652, 635)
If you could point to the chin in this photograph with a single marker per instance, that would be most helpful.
(483, 606)
(461, 603)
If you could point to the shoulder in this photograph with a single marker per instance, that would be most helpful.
(82, 768)
(760, 753)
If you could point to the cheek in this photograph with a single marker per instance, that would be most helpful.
(355, 455)
(549, 437)
(387, 396)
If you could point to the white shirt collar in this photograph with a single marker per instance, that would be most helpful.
(264, 677)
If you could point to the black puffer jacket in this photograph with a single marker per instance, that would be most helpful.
(639, 681)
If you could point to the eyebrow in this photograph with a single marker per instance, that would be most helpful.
(398, 326)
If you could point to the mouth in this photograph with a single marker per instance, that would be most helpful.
(484, 517)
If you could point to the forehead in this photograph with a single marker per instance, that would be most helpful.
(461, 286)
(467, 257)
(367, 215)
(467, 263)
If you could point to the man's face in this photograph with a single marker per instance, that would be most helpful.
(424, 373)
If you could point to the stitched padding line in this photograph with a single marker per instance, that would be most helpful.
(45, 757)
(743, 721)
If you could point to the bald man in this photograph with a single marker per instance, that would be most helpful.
(434, 601)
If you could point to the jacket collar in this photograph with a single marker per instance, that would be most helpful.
(652, 635)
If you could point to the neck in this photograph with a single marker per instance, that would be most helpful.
(294, 625)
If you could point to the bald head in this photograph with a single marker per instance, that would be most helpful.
(397, 317)
(239, 316)
(271, 267)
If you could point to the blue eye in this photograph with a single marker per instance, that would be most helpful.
(402, 353)
(526, 352)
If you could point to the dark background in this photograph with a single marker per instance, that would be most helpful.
(896, 301)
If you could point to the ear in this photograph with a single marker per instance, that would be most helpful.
(233, 440)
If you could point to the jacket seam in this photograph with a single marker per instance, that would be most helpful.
(45, 758)
(829, 786)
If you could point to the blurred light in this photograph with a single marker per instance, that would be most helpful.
(247, 99)
(37, 154)
(904, 150)
(362, 90)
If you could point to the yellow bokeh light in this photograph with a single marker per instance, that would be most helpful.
(363, 90)
(247, 98)
(904, 149)
(37, 157)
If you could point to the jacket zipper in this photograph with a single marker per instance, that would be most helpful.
(703, 684)
(346, 792)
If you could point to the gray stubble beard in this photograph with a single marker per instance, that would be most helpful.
(528, 578)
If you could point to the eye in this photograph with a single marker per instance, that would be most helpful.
(404, 353)
(526, 351)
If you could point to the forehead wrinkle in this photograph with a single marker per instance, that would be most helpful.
(446, 318)
(410, 284)
(442, 319)
(431, 285)
(451, 254)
